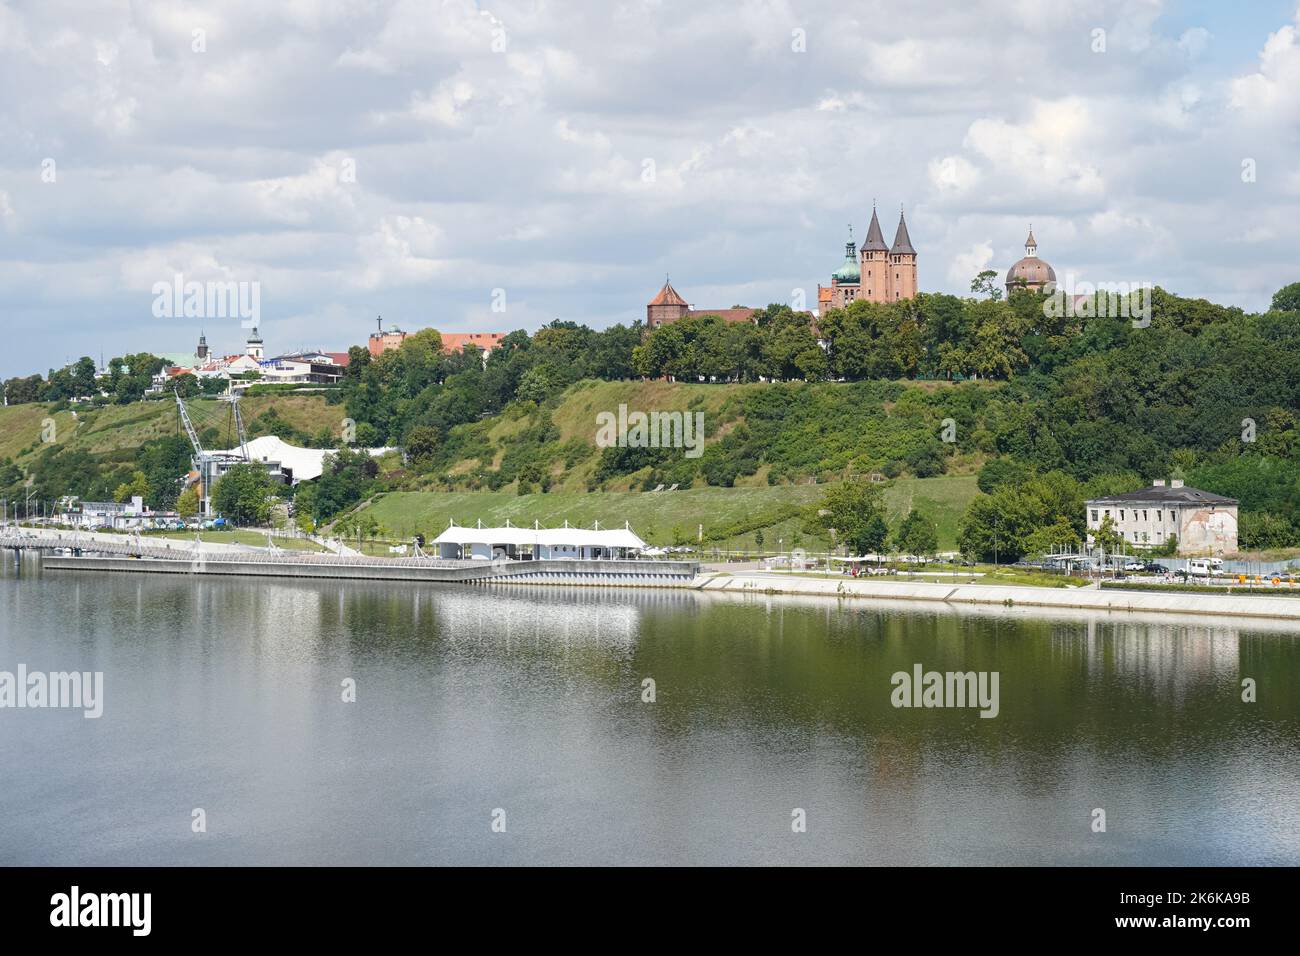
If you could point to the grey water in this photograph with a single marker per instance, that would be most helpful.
(540, 725)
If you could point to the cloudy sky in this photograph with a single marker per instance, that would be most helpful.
(410, 159)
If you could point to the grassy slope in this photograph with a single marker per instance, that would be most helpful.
(575, 417)
(654, 516)
(119, 427)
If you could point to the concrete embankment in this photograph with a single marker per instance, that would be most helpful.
(567, 572)
(682, 574)
(1086, 598)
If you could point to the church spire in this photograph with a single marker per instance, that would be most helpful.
(875, 241)
(1031, 244)
(902, 241)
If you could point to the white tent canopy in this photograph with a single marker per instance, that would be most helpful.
(306, 464)
(566, 542)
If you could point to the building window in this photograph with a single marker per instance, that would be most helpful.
(1094, 514)
(1121, 514)
(1144, 514)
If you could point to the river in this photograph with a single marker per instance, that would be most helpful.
(513, 725)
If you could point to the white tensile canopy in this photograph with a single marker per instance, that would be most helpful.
(566, 542)
(306, 464)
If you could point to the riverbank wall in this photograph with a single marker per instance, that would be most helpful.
(686, 575)
(1093, 599)
(567, 572)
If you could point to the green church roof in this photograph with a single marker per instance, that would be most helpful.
(850, 271)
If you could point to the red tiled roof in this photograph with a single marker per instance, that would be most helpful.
(668, 296)
(456, 341)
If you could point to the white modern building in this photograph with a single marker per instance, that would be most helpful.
(1204, 523)
(537, 543)
(119, 516)
(315, 368)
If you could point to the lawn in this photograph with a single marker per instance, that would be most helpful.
(729, 516)
(255, 538)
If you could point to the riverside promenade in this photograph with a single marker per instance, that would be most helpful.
(1088, 598)
(118, 553)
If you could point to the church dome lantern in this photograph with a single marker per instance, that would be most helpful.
(1031, 272)
(849, 271)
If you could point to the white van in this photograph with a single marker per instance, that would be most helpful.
(1205, 567)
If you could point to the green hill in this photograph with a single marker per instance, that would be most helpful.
(729, 516)
(113, 429)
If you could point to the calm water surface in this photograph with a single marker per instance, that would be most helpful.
(226, 695)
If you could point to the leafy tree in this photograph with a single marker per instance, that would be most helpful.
(857, 513)
(138, 485)
(1106, 537)
(999, 471)
(1261, 531)
(22, 391)
(422, 443)
(1002, 525)
(986, 284)
(1287, 298)
(917, 535)
(343, 483)
(1060, 535)
(186, 385)
(187, 504)
(83, 377)
(243, 495)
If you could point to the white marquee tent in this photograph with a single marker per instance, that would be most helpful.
(540, 543)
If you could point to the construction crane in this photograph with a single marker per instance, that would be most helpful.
(189, 426)
(242, 435)
(210, 465)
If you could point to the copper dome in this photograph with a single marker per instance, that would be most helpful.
(1031, 270)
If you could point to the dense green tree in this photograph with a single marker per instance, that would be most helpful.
(1260, 531)
(1287, 298)
(1004, 523)
(187, 503)
(243, 495)
(857, 513)
(917, 535)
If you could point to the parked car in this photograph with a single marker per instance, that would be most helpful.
(1152, 568)
(1134, 566)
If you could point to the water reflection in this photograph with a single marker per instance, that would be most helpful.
(226, 692)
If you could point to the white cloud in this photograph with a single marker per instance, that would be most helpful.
(526, 167)
(966, 265)
(1194, 41)
(1273, 91)
(953, 174)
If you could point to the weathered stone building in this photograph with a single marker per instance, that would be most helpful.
(1204, 522)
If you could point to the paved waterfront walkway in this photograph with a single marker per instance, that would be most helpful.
(1173, 602)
